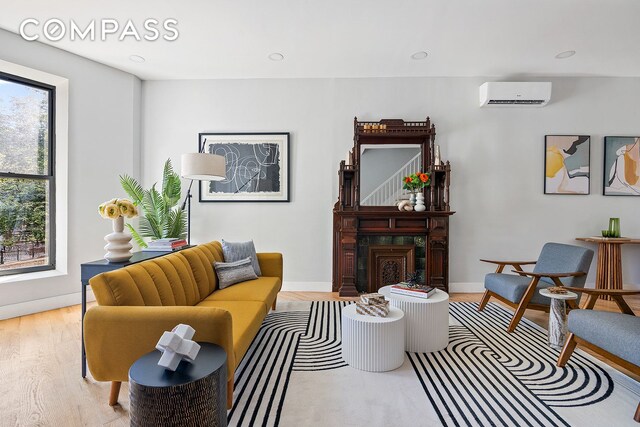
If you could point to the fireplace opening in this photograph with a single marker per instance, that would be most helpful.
(385, 260)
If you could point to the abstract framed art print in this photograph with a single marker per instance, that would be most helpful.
(566, 166)
(257, 167)
(621, 166)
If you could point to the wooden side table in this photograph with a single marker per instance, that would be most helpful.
(195, 394)
(609, 268)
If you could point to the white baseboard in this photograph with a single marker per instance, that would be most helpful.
(44, 304)
(306, 286)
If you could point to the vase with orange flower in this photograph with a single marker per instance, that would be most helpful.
(415, 183)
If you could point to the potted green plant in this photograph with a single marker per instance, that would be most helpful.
(161, 216)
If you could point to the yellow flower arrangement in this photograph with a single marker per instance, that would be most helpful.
(114, 208)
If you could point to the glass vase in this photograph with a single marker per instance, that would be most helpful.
(614, 227)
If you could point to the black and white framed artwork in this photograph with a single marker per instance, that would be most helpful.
(257, 167)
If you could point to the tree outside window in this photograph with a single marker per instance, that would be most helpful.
(26, 175)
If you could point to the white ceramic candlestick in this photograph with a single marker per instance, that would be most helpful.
(118, 245)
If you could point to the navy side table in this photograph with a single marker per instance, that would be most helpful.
(194, 395)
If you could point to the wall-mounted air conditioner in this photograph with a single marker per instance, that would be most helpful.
(520, 94)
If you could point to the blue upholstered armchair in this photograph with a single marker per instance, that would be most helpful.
(615, 336)
(557, 265)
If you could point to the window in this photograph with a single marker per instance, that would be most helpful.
(27, 181)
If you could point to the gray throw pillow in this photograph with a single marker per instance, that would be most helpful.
(230, 273)
(235, 251)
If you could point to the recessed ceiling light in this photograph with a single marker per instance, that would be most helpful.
(419, 55)
(276, 56)
(566, 54)
(136, 58)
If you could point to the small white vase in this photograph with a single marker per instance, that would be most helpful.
(118, 245)
(419, 207)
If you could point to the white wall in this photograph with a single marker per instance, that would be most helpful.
(497, 157)
(104, 132)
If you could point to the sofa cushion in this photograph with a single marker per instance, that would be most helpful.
(263, 289)
(166, 281)
(246, 320)
(616, 333)
(235, 251)
(513, 287)
(230, 273)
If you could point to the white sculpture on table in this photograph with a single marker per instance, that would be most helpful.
(176, 346)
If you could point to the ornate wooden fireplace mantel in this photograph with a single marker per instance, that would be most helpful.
(351, 221)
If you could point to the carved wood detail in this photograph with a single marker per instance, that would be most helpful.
(389, 264)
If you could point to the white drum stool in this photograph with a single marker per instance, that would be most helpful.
(427, 320)
(372, 343)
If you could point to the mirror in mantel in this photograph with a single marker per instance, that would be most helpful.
(382, 168)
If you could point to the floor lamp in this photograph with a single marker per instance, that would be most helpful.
(200, 167)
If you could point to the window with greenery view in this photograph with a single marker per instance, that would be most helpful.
(27, 181)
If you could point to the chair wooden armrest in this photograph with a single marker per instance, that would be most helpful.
(553, 276)
(550, 275)
(502, 264)
(508, 262)
(615, 294)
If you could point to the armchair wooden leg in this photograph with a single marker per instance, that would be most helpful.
(524, 302)
(485, 299)
(637, 416)
(567, 350)
(115, 392)
(230, 393)
(273, 306)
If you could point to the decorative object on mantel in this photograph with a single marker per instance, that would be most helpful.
(437, 161)
(118, 245)
(415, 183)
(257, 167)
(372, 305)
(405, 205)
(357, 217)
(161, 217)
(177, 346)
(621, 166)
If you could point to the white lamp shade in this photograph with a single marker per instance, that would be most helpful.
(203, 167)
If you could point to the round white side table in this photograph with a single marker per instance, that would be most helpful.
(558, 317)
(427, 320)
(372, 343)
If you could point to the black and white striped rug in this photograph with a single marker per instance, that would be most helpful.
(294, 375)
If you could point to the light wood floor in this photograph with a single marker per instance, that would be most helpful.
(40, 382)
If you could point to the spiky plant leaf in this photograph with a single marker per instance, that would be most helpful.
(132, 188)
(149, 227)
(177, 224)
(171, 184)
(139, 240)
(159, 219)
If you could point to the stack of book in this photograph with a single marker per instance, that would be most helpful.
(165, 245)
(420, 291)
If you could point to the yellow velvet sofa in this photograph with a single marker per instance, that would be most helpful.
(137, 303)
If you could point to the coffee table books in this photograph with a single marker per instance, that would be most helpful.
(423, 291)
